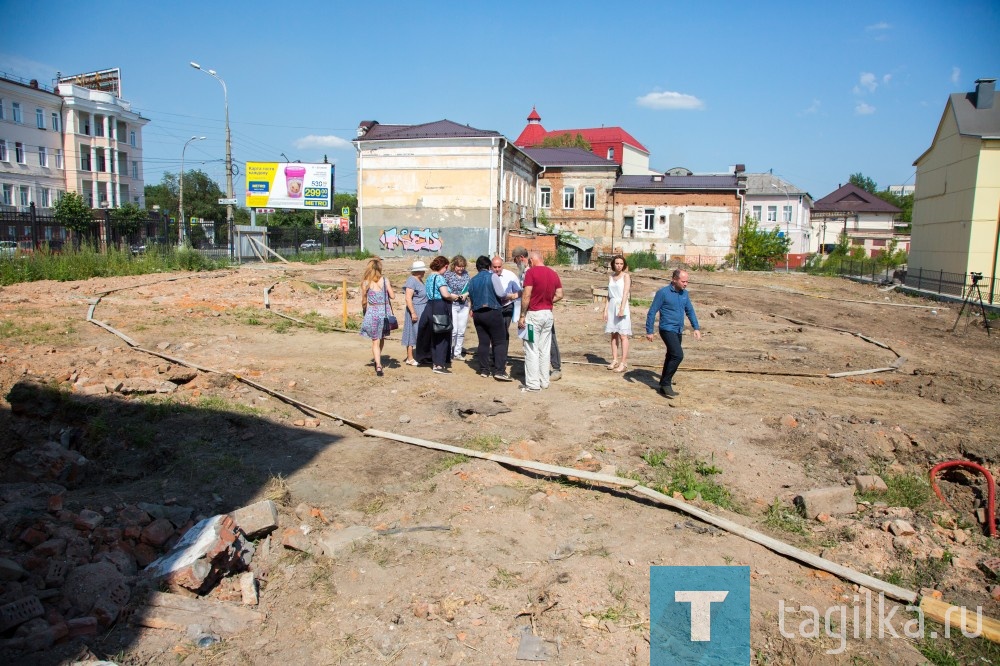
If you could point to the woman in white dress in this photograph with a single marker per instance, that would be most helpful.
(617, 318)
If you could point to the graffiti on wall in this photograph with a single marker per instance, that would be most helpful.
(413, 240)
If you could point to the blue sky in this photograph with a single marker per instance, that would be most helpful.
(813, 91)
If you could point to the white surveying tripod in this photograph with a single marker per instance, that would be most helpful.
(973, 290)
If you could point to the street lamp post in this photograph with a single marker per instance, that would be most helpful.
(180, 227)
(229, 154)
(788, 220)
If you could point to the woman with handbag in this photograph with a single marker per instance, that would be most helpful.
(376, 297)
(434, 329)
(416, 301)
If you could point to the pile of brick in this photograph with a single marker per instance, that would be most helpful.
(67, 573)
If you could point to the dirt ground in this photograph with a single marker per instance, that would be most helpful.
(502, 545)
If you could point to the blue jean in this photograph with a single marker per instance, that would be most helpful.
(673, 358)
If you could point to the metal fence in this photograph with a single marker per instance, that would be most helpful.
(953, 284)
(37, 229)
(869, 269)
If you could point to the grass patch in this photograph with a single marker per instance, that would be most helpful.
(485, 443)
(87, 263)
(784, 518)
(505, 579)
(222, 405)
(25, 333)
(444, 463)
(688, 476)
(372, 503)
(956, 650)
(277, 491)
(908, 490)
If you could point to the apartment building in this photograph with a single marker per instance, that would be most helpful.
(78, 136)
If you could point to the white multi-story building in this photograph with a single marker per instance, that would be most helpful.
(77, 137)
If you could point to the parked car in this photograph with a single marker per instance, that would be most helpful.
(138, 248)
(8, 248)
(311, 244)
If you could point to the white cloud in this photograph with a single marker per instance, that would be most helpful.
(956, 75)
(328, 141)
(886, 78)
(812, 108)
(863, 109)
(878, 27)
(669, 100)
(867, 81)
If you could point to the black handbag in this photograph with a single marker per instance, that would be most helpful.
(390, 323)
(441, 323)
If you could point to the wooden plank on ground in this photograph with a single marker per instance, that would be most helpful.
(172, 611)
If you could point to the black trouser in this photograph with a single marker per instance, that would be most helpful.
(492, 338)
(508, 316)
(673, 358)
(431, 346)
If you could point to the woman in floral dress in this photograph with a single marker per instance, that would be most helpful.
(376, 292)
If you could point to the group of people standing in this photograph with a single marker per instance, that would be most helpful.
(438, 309)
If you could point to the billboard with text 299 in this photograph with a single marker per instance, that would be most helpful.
(289, 185)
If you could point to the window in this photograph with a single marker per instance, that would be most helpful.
(122, 163)
(19, 152)
(59, 158)
(756, 213)
(2, 115)
(24, 198)
(55, 122)
(786, 213)
(545, 197)
(98, 127)
(131, 138)
(772, 213)
(46, 197)
(8, 198)
(102, 162)
(43, 156)
(135, 169)
(16, 107)
(648, 219)
(589, 198)
(84, 158)
(569, 198)
(40, 118)
(611, 153)
(3, 150)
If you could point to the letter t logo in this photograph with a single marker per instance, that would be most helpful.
(701, 610)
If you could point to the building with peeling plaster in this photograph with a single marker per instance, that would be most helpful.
(688, 218)
(440, 188)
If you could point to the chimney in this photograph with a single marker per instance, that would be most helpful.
(33, 83)
(984, 93)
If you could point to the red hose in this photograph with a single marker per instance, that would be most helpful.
(991, 526)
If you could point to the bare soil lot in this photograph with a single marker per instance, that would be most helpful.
(468, 552)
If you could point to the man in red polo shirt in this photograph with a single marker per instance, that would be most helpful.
(542, 288)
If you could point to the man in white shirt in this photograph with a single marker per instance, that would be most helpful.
(511, 285)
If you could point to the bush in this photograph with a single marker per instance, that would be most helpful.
(644, 259)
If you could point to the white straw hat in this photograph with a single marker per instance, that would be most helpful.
(418, 266)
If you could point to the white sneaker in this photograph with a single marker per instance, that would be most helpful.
(555, 376)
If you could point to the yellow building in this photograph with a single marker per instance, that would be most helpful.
(956, 206)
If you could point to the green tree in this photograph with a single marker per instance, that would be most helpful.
(201, 196)
(903, 202)
(864, 182)
(128, 218)
(566, 140)
(760, 250)
(72, 212)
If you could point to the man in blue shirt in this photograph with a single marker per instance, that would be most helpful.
(672, 303)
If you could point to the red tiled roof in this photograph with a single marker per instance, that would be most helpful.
(534, 115)
(532, 135)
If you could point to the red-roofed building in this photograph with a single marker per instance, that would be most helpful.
(868, 221)
(610, 143)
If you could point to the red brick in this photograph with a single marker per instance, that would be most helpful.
(56, 503)
(82, 626)
(144, 554)
(50, 548)
(33, 536)
(157, 532)
(296, 540)
(132, 532)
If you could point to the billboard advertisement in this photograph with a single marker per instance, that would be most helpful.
(289, 185)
